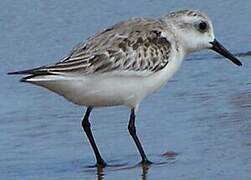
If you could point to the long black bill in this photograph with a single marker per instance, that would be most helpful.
(224, 52)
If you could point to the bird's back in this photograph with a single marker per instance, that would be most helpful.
(133, 46)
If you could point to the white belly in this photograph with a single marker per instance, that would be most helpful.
(99, 90)
(107, 90)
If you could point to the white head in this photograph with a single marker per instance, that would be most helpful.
(194, 31)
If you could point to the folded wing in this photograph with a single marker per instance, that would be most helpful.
(134, 45)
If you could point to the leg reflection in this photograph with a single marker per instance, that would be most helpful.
(145, 168)
(100, 173)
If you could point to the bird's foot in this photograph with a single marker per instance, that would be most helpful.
(101, 164)
(146, 162)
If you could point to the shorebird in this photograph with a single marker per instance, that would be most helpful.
(125, 63)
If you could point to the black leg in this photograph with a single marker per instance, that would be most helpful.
(132, 131)
(87, 128)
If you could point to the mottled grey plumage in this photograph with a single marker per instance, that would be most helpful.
(133, 45)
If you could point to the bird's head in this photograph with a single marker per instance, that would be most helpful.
(194, 31)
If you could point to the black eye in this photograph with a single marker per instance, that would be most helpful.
(203, 26)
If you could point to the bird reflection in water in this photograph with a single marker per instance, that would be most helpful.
(144, 167)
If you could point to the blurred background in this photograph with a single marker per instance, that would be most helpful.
(196, 127)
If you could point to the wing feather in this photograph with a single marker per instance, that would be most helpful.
(134, 45)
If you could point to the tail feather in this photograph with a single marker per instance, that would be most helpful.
(35, 71)
(31, 73)
(28, 71)
(27, 78)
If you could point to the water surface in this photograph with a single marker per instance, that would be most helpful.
(196, 127)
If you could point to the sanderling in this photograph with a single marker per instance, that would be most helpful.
(125, 63)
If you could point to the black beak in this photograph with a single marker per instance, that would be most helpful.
(224, 52)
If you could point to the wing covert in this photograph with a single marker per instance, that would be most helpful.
(136, 45)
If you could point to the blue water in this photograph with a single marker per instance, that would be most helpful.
(201, 120)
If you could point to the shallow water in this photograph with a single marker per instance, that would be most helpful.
(196, 127)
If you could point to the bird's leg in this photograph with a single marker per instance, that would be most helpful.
(87, 128)
(132, 131)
